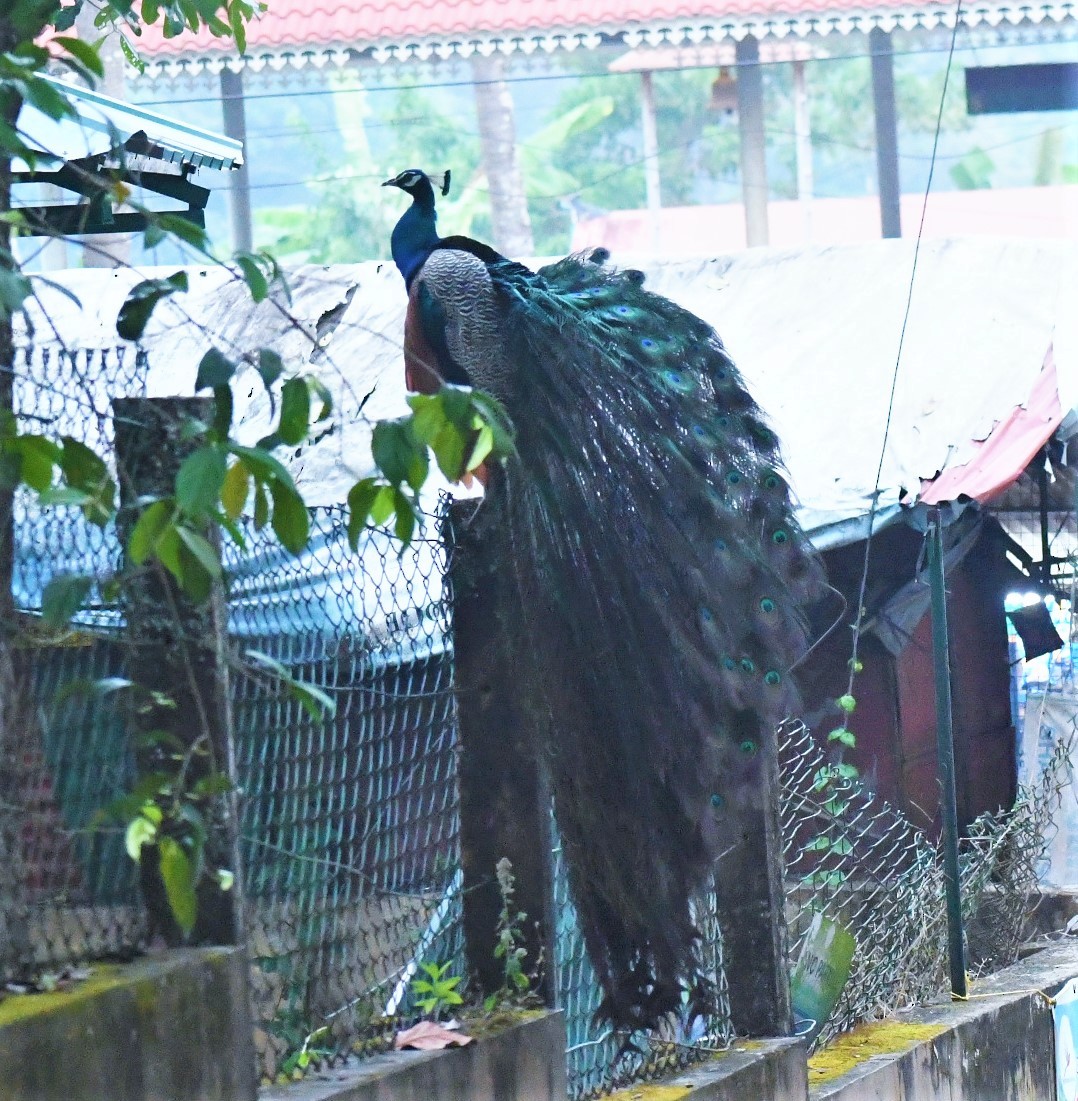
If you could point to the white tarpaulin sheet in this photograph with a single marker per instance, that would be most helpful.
(816, 333)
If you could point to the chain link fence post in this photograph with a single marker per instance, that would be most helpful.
(504, 800)
(177, 663)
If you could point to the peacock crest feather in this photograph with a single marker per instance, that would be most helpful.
(658, 576)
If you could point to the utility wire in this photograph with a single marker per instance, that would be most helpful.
(874, 506)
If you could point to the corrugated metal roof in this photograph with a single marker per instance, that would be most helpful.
(299, 32)
(104, 125)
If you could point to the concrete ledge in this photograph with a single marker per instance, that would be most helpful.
(525, 1062)
(172, 1026)
(752, 1070)
(1000, 1044)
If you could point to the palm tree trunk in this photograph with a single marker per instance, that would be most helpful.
(497, 137)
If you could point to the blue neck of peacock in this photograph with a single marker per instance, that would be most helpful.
(415, 236)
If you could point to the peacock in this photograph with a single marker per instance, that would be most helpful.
(659, 574)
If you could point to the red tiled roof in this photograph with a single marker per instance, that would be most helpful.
(293, 24)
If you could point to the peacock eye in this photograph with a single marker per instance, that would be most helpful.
(747, 665)
(767, 605)
(716, 800)
(772, 677)
(779, 537)
(748, 747)
(733, 477)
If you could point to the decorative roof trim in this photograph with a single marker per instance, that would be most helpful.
(665, 33)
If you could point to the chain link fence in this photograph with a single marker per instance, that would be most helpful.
(350, 823)
(860, 863)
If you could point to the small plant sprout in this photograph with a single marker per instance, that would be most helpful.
(438, 990)
(509, 947)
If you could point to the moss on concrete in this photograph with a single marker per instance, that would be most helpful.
(648, 1091)
(18, 1007)
(859, 1044)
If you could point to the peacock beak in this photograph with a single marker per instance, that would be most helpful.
(389, 183)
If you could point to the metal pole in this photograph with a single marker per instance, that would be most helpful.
(941, 658)
(1046, 542)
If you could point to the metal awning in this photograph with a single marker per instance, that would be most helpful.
(109, 141)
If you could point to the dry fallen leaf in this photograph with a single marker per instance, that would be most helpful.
(429, 1036)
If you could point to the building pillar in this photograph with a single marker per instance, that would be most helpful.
(239, 194)
(750, 119)
(881, 53)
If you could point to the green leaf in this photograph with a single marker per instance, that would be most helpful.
(201, 549)
(484, 445)
(312, 699)
(153, 236)
(15, 288)
(199, 480)
(270, 367)
(291, 520)
(64, 495)
(382, 505)
(167, 549)
(63, 597)
(178, 875)
(360, 498)
(147, 530)
(261, 517)
(322, 392)
(841, 734)
(83, 52)
(142, 300)
(186, 230)
(400, 456)
(262, 465)
(295, 411)
(235, 489)
(214, 369)
(140, 831)
(222, 411)
(448, 447)
(38, 456)
(404, 524)
(46, 97)
(253, 275)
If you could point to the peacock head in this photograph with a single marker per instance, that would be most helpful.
(414, 181)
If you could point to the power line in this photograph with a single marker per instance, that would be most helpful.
(874, 505)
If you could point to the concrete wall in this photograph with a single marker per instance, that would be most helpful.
(525, 1062)
(172, 1026)
(998, 1046)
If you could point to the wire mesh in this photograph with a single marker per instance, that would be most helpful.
(350, 830)
(862, 864)
(599, 1060)
(349, 824)
(71, 891)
